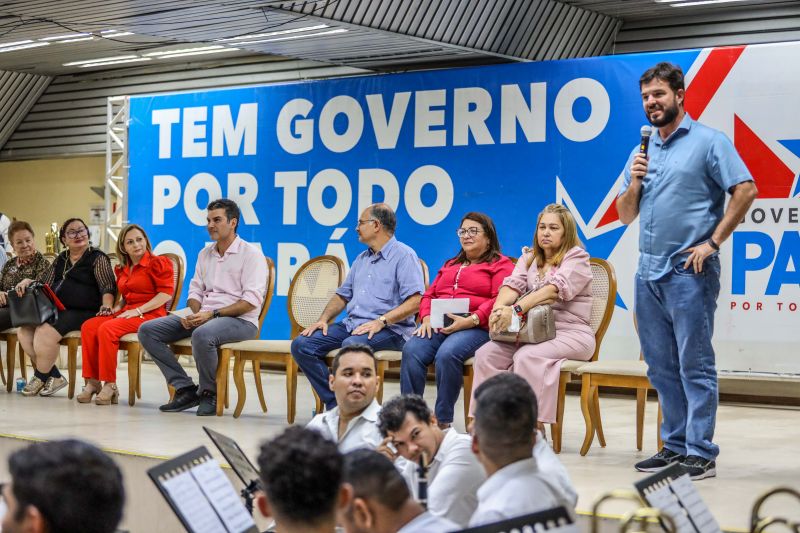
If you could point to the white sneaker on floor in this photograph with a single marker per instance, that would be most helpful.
(53, 385)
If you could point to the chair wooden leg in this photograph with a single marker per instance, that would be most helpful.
(134, 353)
(222, 379)
(291, 389)
(171, 392)
(658, 427)
(641, 402)
(469, 375)
(556, 429)
(238, 380)
(259, 386)
(318, 407)
(596, 419)
(586, 395)
(382, 366)
(72, 365)
(11, 344)
(2, 370)
(139, 373)
(23, 367)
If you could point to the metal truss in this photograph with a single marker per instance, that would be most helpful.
(116, 182)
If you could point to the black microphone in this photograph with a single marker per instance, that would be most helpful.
(646, 131)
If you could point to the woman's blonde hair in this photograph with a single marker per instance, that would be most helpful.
(569, 240)
(121, 254)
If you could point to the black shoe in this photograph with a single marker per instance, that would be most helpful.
(185, 398)
(208, 404)
(699, 468)
(661, 460)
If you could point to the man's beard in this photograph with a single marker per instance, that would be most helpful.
(668, 114)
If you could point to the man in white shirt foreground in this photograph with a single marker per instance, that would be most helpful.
(503, 433)
(301, 475)
(410, 433)
(352, 424)
(377, 499)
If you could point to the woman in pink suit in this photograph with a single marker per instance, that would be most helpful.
(555, 271)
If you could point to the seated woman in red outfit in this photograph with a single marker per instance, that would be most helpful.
(555, 271)
(145, 283)
(476, 272)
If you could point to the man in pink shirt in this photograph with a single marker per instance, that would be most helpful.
(225, 298)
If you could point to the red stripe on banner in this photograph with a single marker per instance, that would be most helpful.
(611, 215)
(773, 178)
(709, 78)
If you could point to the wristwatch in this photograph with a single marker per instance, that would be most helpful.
(215, 313)
(384, 320)
(475, 319)
(518, 311)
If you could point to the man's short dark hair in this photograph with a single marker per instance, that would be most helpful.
(666, 72)
(393, 413)
(301, 472)
(374, 476)
(351, 348)
(506, 412)
(231, 209)
(75, 486)
(384, 214)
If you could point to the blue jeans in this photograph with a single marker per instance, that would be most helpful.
(449, 353)
(676, 321)
(310, 352)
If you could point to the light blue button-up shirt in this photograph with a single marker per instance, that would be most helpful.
(683, 193)
(380, 281)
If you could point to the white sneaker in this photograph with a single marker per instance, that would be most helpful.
(33, 387)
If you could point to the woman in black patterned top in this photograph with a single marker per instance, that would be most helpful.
(28, 263)
(84, 281)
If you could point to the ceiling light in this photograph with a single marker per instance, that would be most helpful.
(59, 37)
(274, 33)
(305, 35)
(198, 53)
(21, 47)
(15, 43)
(104, 63)
(99, 60)
(703, 2)
(185, 50)
(77, 40)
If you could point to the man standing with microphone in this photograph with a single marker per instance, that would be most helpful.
(675, 182)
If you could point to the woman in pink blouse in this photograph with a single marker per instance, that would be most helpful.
(555, 271)
(475, 273)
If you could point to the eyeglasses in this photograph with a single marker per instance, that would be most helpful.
(472, 232)
(361, 222)
(74, 234)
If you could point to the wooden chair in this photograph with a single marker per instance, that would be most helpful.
(130, 342)
(313, 286)
(72, 340)
(604, 292)
(226, 351)
(614, 373)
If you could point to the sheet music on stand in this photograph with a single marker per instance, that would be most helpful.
(671, 490)
(201, 495)
(556, 520)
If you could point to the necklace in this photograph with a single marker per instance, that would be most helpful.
(72, 265)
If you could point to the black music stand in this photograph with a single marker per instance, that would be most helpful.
(239, 463)
(556, 519)
(201, 495)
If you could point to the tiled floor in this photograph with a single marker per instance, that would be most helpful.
(759, 445)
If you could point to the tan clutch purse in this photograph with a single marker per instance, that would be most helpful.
(539, 327)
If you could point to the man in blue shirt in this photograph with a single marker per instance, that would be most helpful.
(678, 193)
(381, 293)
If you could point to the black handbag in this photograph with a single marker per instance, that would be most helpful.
(34, 308)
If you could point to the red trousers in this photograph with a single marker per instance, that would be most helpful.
(100, 343)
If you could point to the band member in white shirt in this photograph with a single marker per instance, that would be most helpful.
(411, 433)
(352, 424)
(503, 433)
(377, 499)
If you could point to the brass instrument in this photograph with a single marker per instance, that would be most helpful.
(647, 515)
(759, 524)
(642, 513)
